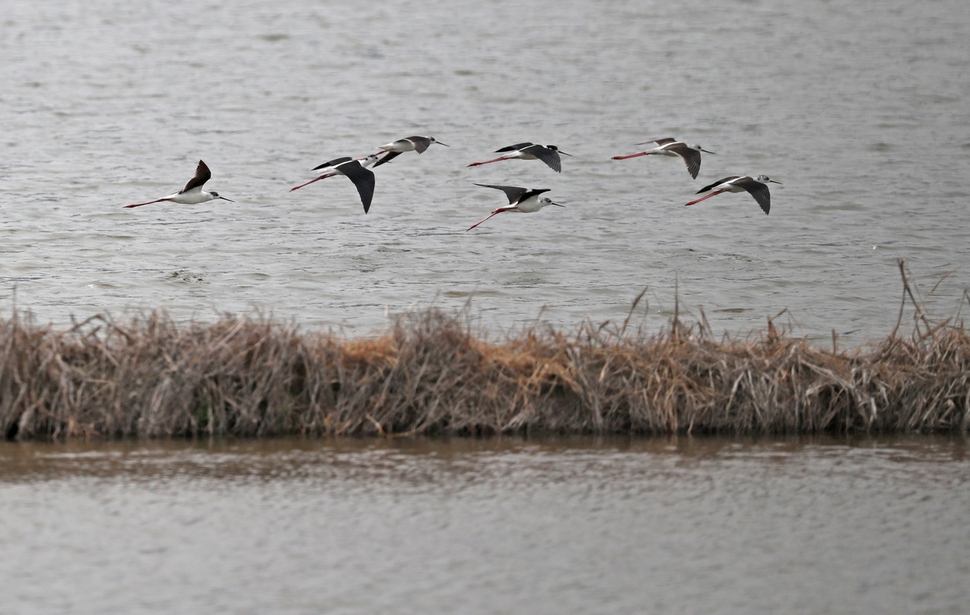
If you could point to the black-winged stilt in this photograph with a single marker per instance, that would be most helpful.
(549, 154)
(192, 194)
(671, 147)
(356, 170)
(520, 199)
(757, 187)
(408, 144)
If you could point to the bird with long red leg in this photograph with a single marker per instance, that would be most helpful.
(691, 154)
(757, 187)
(549, 154)
(394, 149)
(521, 200)
(192, 194)
(356, 170)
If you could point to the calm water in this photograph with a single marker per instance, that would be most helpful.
(860, 109)
(501, 526)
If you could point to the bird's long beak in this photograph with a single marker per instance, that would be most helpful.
(556, 204)
(440, 143)
(225, 199)
(563, 153)
(705, 151)
(774, 182)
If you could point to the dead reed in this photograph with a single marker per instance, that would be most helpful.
(429, 373)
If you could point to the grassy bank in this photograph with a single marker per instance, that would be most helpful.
(430, 373)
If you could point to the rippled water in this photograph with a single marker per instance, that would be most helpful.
(498, 526)
(858, 108)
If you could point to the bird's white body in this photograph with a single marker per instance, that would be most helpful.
(192, 197)
(398, 147)
(411, 144)
(521, 155)
(533, 204)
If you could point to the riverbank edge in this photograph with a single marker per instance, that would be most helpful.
(430, 373)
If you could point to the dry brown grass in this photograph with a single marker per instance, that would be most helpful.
(431, 374)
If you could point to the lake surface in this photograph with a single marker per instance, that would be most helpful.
(860, 109)
(556, 526)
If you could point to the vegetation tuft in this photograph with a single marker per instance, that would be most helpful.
(429, 373)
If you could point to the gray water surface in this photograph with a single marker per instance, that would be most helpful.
(860, 109)
(562, 527)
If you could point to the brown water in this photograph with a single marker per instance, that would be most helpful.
(495, 526)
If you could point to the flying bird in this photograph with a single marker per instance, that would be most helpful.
(192, 194)
(549, 154)
(520, 199)
(691, 154)
(408, 144)
(757, 187)
(365, 162)
(356, 170)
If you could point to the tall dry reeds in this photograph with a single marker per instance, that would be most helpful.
(431, 374)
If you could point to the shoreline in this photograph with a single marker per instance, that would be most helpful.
(429, 373)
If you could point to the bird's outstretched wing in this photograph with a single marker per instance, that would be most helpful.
(363, 179)
(514, 148)
(692, 157)
(663, 141)
(759, 191)
(202, 175)
(387, 158)
(548, 156)
(513, 192)
(420, 143)
(332, 163)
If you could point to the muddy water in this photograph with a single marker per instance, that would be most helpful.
(497, 526)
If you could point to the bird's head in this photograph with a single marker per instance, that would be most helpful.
(433, 140)
(556, 149)
(543, 201)
(215, 195)
(701, 149)
(764, 179)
